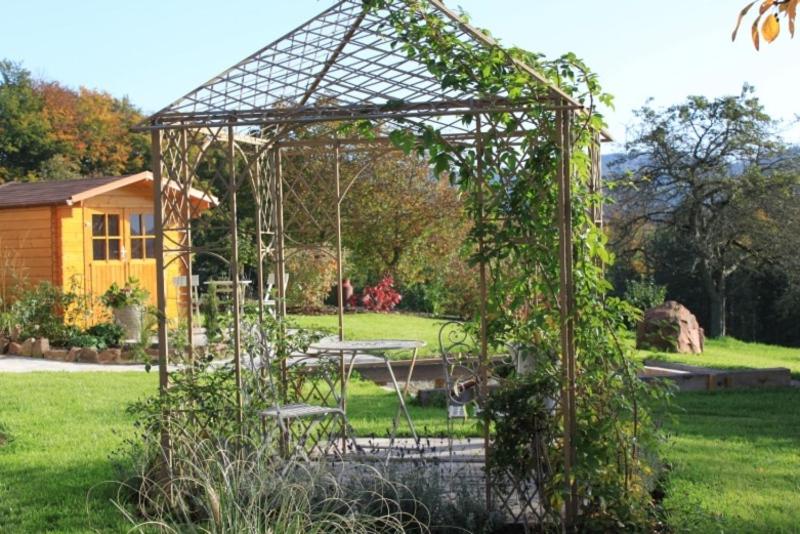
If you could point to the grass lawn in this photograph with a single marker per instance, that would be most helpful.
(63, 426)
(729, 353)
(736, 462)
(380, 326)
(735, 455)
(724, 353)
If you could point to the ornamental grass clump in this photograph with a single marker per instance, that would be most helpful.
(244, 486)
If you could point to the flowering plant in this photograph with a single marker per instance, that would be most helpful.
(131, 294)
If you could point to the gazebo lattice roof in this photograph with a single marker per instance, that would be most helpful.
(341, 65)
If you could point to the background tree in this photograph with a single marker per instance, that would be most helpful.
(710, 186)
(25, 135)
(51, 132)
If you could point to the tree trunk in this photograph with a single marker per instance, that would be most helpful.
(718, 301)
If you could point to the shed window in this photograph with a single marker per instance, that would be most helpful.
(143, 240)
(106, 237)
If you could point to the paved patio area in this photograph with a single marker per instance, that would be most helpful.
(21, 364)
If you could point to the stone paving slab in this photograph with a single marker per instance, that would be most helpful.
(21, 364)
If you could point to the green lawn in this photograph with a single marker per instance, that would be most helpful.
(729, 353)
(724, 353)
(735, 455)
(736, 462)
(379, 326)
(63, 426)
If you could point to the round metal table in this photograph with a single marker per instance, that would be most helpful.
(376, 348)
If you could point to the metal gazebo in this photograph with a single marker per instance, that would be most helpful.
(342, 66)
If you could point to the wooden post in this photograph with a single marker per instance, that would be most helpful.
(234, 266)
(161, 292)
(567, 314)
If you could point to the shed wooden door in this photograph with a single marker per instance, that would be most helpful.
(140, 236)
(105, 246)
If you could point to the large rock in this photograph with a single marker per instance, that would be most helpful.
(15, 349)
(16, 332)
(40, 346)
(74, 354)
(88, 355)
(4, 342)
(59, 355)
(109, 356)
(670, 327)
(27, 347)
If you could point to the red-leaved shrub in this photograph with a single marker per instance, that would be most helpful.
(382, 297)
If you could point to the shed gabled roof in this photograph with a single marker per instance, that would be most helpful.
(342, 64)
(68, 192)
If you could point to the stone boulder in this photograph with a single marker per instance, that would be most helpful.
(27, 347)
(670, 327)
(88, 355)
(109, 356)
(74, 354)
(40, 346)
(16, 333)
(59, 355)
(15, 349)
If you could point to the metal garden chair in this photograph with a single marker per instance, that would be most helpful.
(305, 408)
(458, 350)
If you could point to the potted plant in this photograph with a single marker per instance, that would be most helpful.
(127, 305)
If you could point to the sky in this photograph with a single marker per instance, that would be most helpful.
(154, 51)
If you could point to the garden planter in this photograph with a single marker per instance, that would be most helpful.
(130, 319)
(526, 359)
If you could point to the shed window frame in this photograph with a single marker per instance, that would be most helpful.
(142, 242)
(104, 242)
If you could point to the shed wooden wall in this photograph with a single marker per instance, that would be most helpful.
(26, 246)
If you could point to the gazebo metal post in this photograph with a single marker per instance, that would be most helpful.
(234, 267)
(567, 313)
(339, 289)
(280, 260)
(484, 326)
(161, 291)
(280, 252)
(256, 185)
(186, 177)
(596, 183)
(339, 270)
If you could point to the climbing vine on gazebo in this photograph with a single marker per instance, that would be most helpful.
(509, 175)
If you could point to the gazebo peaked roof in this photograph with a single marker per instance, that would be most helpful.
(340, 65)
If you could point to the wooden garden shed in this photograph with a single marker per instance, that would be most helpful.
(90, 232)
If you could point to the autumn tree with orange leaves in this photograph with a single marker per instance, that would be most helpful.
(52, 132)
